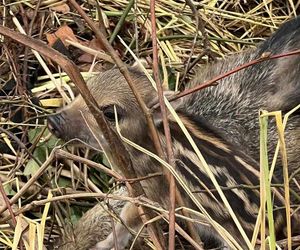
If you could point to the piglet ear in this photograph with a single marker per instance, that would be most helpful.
(157, 118)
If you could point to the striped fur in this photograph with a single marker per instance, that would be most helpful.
(223, 122)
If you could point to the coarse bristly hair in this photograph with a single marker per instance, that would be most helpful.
(222, 121)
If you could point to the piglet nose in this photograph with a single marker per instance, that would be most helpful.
(55, 124)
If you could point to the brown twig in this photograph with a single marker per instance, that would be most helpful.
(66, 198)
(123, 69)
(169, 148)
(213, 82)
(11, 212)
(26, 51)
(33, 189)
(32, 180)
(148, 176)
(20, 143)
(6, 200)
(14, 66)
(66, 155)
(101, 21)
(206, 45)
(137, 201)
(186, 236)
(196, 16)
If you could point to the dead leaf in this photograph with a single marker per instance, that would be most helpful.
(96, 44)
(64, 33)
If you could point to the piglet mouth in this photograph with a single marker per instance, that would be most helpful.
(55, 125)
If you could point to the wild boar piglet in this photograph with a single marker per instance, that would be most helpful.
(223, 122)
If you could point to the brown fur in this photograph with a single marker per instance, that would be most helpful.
(223, 121)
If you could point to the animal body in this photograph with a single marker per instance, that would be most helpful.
(223, 122)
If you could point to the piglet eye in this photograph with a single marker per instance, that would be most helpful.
(109, 113)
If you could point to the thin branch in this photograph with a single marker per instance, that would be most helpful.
(123, 69)
(11, 212)
(200, 26)
(213, 82)
(101, 20)
(170, 154)
(153, 229)
(26, 51)
(6, 200)
(32, 180)
(66, 155)
(196, 16)
(20, 143)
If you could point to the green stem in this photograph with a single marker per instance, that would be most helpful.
(121, 21)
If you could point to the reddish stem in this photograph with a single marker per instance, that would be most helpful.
(170, 154)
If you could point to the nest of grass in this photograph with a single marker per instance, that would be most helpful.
(33, 88)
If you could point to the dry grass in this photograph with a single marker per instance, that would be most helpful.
(25, 143)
